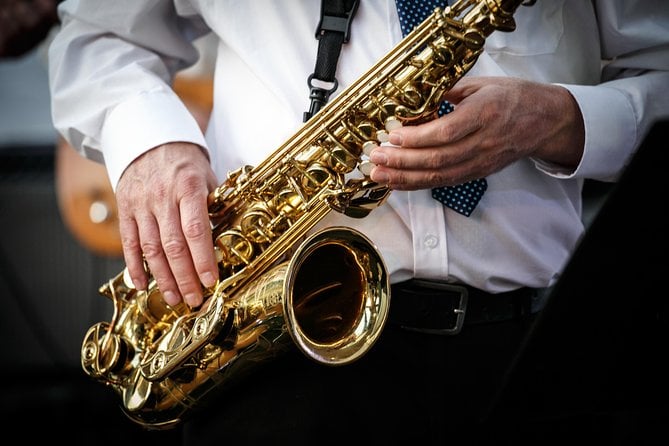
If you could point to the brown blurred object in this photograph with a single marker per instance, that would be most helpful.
(197, 92)
(86, 201)
(85, 197)
(24, 24)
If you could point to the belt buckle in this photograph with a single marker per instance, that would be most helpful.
(459, 311)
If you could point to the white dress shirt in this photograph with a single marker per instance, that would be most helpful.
(112, 61)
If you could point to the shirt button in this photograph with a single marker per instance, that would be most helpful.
(431, 241)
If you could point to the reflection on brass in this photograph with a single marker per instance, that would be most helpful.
(281, 285)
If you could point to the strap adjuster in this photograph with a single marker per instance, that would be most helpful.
(337, 23)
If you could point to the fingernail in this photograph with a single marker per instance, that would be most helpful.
(194, 300)
(138, 283)
(171, 298)
(378, 157)
(379, 176)
(395, 138)
(208, 280)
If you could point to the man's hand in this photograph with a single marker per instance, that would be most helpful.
(163, 219)
(496, 121)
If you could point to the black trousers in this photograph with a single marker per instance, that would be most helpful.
(411, 387)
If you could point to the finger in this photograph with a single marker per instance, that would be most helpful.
(436, 157)
(428, 158)
(157, 260)
(415, 179)
(411, 169)
(180, 271)
(445, 130)
(197, 231)
(132, 252)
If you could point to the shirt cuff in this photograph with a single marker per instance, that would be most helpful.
(142, 123)
(610, 129)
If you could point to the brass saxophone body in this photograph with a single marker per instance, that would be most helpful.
(283, 285)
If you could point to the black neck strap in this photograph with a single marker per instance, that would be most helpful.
(334, 30)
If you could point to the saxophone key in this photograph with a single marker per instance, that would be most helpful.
(392, 123)
(368, 146)
(366, 167)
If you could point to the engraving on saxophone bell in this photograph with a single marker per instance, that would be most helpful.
(327, 293)
(271, 300)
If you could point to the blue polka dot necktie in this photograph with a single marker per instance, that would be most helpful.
(462, 198)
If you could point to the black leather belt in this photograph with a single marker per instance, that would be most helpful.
(443, 308)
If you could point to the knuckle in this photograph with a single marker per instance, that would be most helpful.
(491, 113)
(399, 179)
(175, 249)
(160, 192)
(435, 179)
(196, 229)
(191, 183)
(435, 159)
(151, 249)
(166, 285)
(445, 132)
(187, 285)
(400, 160)
(130, 244)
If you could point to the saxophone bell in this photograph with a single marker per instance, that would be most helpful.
(336, 317)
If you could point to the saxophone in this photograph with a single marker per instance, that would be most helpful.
(163, 361)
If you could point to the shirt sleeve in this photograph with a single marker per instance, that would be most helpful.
(633, 94)
(111, 65)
